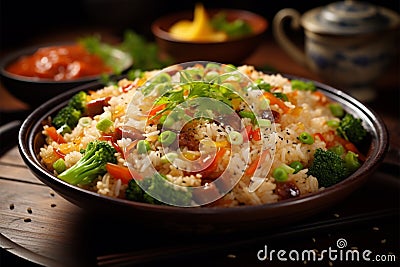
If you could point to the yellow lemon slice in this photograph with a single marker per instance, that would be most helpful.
(197, 30)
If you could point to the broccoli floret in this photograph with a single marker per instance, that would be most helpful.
(135, 193)
(91, 165)
(158, 186)
(328, 167)
(351, 162)
(79, 101)
(161, 187)
(351, 129)
(66, 119)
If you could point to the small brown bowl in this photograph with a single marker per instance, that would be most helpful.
(230, 51)
(35, 91)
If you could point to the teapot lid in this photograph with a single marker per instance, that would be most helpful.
(349, 17)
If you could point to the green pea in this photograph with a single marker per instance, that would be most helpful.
(336, 109)
(280, 174)
(167, 137)
(333, 123)
(297, 166)
(306, 138)
(143, 146)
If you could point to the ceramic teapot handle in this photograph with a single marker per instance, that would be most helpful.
(281, 37)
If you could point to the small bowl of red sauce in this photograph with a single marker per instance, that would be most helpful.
(37, 74)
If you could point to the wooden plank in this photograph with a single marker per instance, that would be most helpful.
(13, 157)
(35, 217)
(20, 173)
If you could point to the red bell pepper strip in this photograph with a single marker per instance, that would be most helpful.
(210, 171)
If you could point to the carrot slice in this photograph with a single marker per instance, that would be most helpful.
(53, 134)
(253, 166)
(274, 100)
(121, 172)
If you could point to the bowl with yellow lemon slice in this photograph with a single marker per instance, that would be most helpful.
(221, 35)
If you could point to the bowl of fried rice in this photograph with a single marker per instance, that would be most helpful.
(204, 146)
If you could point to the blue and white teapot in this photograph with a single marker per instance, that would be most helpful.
(349, 43)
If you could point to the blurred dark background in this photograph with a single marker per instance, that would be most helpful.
(22, 21)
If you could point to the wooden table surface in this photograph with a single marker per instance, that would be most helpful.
(40, 227)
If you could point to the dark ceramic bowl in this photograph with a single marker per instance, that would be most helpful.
(36, 91)
(206, 219)
(230, 51)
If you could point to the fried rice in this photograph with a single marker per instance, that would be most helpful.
(303, 110)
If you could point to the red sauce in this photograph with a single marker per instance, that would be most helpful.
(59, 63)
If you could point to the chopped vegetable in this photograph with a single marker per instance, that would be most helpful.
(158, 187)
(135, 193)
(303, 85)
(167, 137)
(248, 114)
(258, 160)
(85, 121)
(66, 119)
(280, 174)
(328, 167)
(275, 100)
(339, 149)
(351, 129)
(91, 165)
(79, 101)
(59, 165)
(143, 146)
(333, 123)
(104, 124)
(53, 134)
(306, 138)
(235, 138)
(336, 109)
(170, 157)
(297, 166)
(119, 172)
(351, 162)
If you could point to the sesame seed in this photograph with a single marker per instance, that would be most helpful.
(53, 205)
(27, 220)
(11, 206)
(29, 210)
